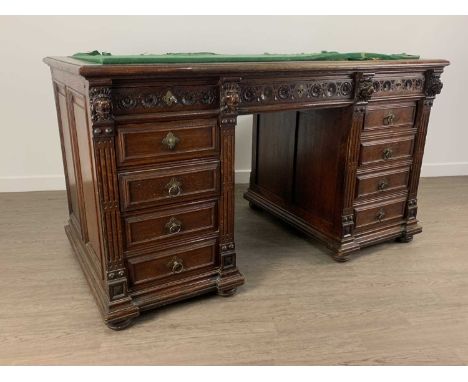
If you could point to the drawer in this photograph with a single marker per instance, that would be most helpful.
(389, 116)
(170, 223)
(172, 263)
(168, 185)
(389, 150)
(380, 213)
(376, 184)
(166, 141)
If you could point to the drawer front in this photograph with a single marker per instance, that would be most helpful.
(170, 223)
(157, 142)
(167, 185)
(173, 263)
(381, 213)
(373, 152)
(147, 96)
(390, 116)
(376, 184)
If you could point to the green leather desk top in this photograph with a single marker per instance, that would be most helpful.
(180, 58)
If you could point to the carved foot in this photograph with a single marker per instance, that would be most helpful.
(341, 258)
(343, 251)
(227, 292)
(404, 238)
(119, 325)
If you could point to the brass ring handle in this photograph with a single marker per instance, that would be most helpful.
(380, 215)
(387, 153)
(389, 119)
(176, 265)
(170, 140)
(173, 226)
(383, 184)
(174, 187)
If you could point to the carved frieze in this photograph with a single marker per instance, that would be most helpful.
(433, 84)
(163, 98)
(101, 104)
(398, 85)
(271, 93)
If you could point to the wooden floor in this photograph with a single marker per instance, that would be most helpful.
(394, 304)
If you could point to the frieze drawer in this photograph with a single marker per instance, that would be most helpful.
(379, 213)
(389, 150)
(170, 223)
(160, 97)
(158, 142)
(389, 116)
(381, 183)
(176, 262)
(168, 185)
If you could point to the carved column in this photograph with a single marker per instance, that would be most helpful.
(433, 86)
(229, 101)
(103, 131)
(363, 90)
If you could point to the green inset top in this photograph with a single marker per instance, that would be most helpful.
(204, 57)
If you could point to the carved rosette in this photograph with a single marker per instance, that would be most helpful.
(433, 84)
(365, 89)
(281, 92)
(101, 104)
(230, 97)
(165, 98)
(398, 85)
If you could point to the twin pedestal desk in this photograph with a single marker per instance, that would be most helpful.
(148, 153)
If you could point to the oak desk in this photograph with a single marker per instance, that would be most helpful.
(148, 152)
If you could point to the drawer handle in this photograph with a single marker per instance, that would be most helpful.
(174, 187)
(170, 140)
(387, 153)
(176, 265)
(380, 215)
(383, 184)
(173, 226)
(389, 119)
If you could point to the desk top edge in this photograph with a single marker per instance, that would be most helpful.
(88, 69)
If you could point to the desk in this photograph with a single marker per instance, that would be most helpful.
(148, 153)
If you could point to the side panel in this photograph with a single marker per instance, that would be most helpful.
(68, 154)
(89, 203)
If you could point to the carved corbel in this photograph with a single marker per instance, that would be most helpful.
(230, 97)
(365, 87)
(101, 104)
(433, 84)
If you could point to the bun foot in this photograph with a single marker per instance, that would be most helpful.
(404, 238)
(341, 258)
(227, 292)
(119, 325)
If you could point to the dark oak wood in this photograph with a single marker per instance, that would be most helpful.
(148, 153)
(348, 175)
